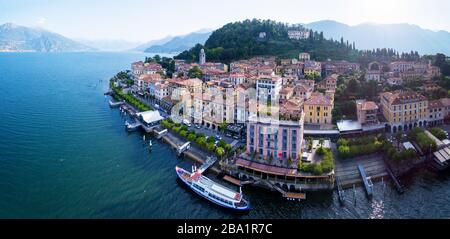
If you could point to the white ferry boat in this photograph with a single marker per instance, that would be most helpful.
(212, 191)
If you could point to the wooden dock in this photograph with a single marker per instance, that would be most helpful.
(287, 195)
(232, 180)
(295, 196)
(397, 183)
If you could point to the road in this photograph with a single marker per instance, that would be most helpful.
(205, 131)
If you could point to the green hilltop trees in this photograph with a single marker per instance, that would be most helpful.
(240, 40)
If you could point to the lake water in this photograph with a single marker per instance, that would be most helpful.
(65, 154)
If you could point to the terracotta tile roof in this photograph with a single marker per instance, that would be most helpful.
(402, 97)
(368, 105)
(434, 104)
(286, 90)
(319, 99)
(445, 102)
(150, 77)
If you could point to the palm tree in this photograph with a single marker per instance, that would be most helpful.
(398, 137)
(220, 152)
(321, 142)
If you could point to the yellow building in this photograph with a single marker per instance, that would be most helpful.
(404, 110)
(318, 109)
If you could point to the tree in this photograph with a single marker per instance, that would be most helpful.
(210, 147)
(228, 148)
(191, 137)
(321, 141)
(398, 138)
(210, 140)
(201, 141)
(221, 144)
(438, 133)
(220, 152)
(344, 151)
(195, 72)
(223, 126)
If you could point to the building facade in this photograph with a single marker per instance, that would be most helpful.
(366, 112)
(275, 139)
(404, 110)
(318, 109)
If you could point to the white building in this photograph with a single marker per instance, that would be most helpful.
(268, 88)
(304, 56)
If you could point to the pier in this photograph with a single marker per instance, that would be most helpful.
(348, 173)
(288, 195)
(210, 161)
(115, 104)
(367, 182)
(160, 132)
(182, 148)
(236, 181)
(132, 126)
(397, 184)
(340, 190)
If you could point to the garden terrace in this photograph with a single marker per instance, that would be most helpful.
(207, 144)
(349, 148)
(129, 98)
(423, 140)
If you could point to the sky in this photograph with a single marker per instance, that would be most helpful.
(144, 20)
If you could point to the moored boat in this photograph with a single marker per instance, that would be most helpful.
(213, 191)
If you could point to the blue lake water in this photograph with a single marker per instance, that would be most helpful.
(65, 154)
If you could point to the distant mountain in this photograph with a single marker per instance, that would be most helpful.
(110, 44)
(402, 37)
(143, 47)
(181, 43)
(20, 38)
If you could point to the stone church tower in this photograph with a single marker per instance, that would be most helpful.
(202, 57)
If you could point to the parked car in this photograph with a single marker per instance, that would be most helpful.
(236, 137)
(197, 126)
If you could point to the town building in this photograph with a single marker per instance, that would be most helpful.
(268, 88)
(304, 56)
(366, 112)
(276, 139)
(446, 109)
(286, 93)
(401, 66)
(291, 109)
(435, 112)
(374, 72)
(144, 82)
(395, 81)
(318, 109)
(303, 91)
(237, 78)
(339, 67)
(312, 68)
(404, 110)
(329, 83)
(298, 34)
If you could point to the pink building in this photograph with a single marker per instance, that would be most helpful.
(275, 139)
